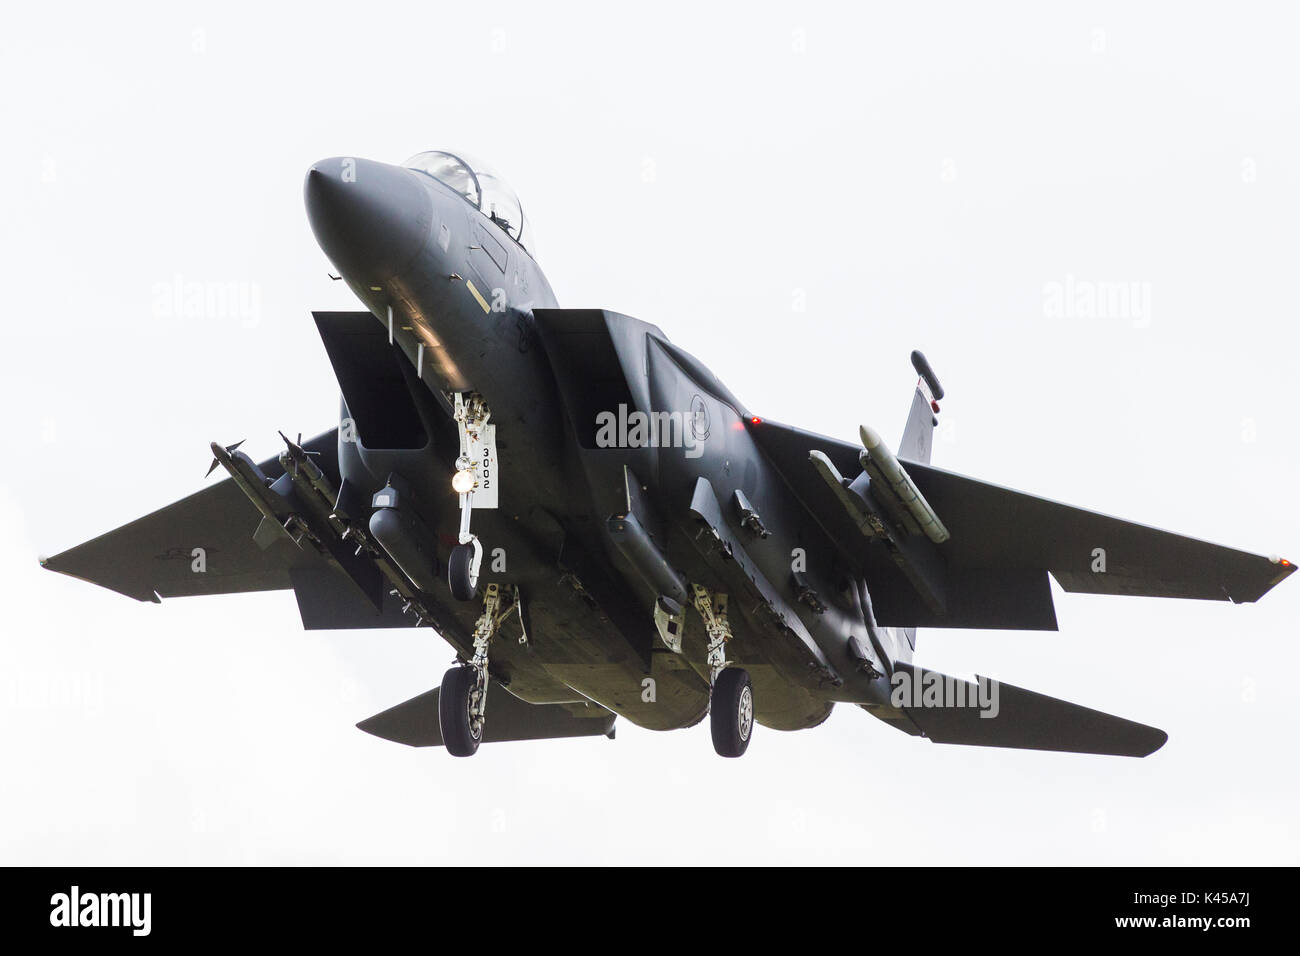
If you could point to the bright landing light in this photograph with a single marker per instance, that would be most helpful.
(462, 482)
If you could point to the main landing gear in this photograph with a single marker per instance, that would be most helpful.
(731, 694)
(462, 699)
(472, 414)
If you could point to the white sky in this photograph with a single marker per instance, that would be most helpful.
(916, 176)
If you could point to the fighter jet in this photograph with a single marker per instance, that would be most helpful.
(599, 528)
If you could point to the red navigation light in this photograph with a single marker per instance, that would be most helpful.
(756, 420)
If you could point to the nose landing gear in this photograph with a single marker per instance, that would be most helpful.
(462, 568)
(472, 414)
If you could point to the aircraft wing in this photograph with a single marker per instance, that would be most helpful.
(996, 532)
(153, 557)
(995, 525)
(216, 542)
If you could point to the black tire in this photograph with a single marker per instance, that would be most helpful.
(453, 712)
(459, 566)
(731, 712)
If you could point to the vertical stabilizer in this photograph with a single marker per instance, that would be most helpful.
(918, 433)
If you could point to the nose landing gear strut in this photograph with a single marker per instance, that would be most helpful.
(472, 414)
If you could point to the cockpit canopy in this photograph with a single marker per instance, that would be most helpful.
(480, 185)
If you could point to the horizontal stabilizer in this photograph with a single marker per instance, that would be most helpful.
(415, 722)
(1020, 719)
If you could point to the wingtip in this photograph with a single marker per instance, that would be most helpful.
(1285, 570)
(1159, 738)
(54, 562)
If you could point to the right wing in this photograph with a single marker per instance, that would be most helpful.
(216, 542)
(154, 557)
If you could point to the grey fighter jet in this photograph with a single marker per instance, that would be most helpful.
(599, 527)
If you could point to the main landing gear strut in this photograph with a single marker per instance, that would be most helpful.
(462, 700)
(731, 695)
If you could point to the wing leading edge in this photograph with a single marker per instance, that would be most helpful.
(155, 556)
(1090, 552)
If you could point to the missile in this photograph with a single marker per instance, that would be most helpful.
(869, 523)
(302, 462)
(879, 462)
(311, 487)
(254, 483)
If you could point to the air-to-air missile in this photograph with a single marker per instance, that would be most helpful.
(888, 475)
(270, 498)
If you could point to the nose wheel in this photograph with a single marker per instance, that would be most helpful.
(462, 570)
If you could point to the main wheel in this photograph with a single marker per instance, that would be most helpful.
(731, 712)
(454, 701)
(459, 566)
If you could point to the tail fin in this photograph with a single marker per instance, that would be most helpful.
(1019, 719)
(918, 434)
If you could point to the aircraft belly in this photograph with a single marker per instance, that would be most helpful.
(580, 648)
(781, 705)
(677, 697)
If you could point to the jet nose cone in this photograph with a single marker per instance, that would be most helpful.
(370, 218)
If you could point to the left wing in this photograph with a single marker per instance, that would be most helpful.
(991, 571)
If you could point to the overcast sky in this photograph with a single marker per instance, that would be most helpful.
(799, 195)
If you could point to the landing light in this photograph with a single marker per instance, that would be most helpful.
(462, 482)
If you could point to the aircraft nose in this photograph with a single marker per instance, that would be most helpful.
(370, 218)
